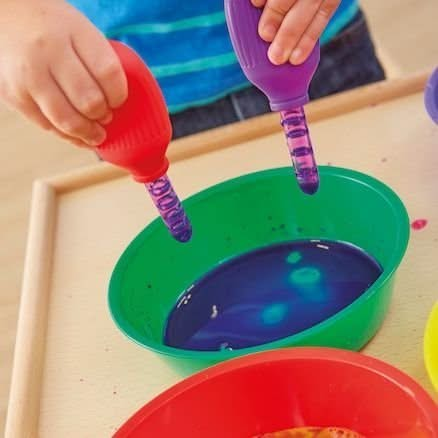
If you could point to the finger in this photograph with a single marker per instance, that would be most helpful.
(76, 142)
(291, 30)
(69, 139)
(20, 101)
(79, 86)
(58, 110)
(33, 113)
(103, 64)
(273, 15)
(314, 31)
(258, 3)
(107, 119)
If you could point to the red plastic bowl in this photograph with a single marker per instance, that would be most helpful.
(276, 390)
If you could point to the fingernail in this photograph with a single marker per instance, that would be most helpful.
(268, 32)
(276, 54)
(98, 137)
(296, 56)
(107, 119)
(94, 143)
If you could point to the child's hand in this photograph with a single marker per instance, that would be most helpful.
(58, 70)
(293, 26)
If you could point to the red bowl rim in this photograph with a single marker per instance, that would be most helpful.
(395, 376)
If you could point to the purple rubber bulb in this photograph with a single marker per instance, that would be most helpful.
(286, 86)
(431, 96)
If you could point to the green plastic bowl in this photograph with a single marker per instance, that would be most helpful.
(250, 212)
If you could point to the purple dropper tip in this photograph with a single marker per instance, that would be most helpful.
(184, 235)
(170, 209)
(309, 188)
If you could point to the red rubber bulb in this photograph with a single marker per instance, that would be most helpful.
(140, 132)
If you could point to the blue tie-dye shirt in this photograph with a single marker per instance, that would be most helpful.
(185, 43)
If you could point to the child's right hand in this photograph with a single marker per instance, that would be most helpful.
(58, 70)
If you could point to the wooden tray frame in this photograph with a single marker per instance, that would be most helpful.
(24, 402)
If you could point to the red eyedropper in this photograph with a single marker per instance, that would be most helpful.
(138, 137)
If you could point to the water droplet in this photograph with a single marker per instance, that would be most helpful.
(294, 257)
(305, 276)
(184, 300)
(225, 346)
(324, 247)
(419, 224)
(214, 312)
(274, 313)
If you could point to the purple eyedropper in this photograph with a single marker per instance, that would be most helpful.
(286, 86)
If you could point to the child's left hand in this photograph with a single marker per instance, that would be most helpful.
(293, 26)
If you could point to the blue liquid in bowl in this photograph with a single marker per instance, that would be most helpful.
(269, 294)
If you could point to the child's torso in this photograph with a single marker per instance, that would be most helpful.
(185, 43)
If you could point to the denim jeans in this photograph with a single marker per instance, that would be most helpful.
(348, 61)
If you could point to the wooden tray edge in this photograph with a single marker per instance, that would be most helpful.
(24, 399)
